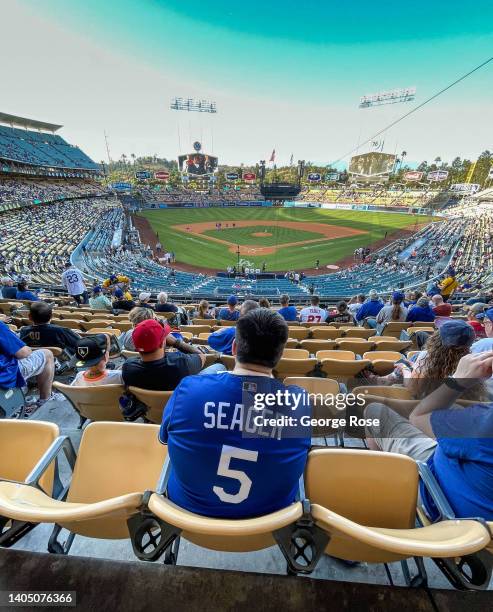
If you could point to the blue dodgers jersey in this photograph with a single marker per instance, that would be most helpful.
(220, 470)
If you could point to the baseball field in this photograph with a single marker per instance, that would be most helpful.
(283, 238)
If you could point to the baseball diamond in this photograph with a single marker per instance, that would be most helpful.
(283, 238)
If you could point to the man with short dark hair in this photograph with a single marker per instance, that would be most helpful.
(73, 281)
(313, 313)
(287, 312)
(43, 333)
(225, 460)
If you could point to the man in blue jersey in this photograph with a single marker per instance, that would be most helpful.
(369, 310)
(222, 340)
(289, 313)
(456, 442)
(225, 460)
(229, 313)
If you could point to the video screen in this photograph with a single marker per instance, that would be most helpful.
(197, 164)
(372, 164)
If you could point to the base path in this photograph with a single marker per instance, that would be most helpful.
(326, 231)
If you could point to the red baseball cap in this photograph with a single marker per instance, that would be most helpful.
(148, 335)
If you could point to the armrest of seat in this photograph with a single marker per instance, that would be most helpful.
(450, 538)
(62, 443)
(431, 485)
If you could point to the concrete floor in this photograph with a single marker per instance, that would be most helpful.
(266, 561)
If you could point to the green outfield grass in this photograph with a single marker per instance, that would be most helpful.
(278, 235)
(198, 251)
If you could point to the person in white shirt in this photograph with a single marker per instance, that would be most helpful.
(73, 281)
(94, 353)
(313, 313)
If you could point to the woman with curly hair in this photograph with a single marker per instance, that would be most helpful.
(439, 359)
(442, 352)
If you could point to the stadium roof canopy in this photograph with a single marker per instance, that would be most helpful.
(28, 123)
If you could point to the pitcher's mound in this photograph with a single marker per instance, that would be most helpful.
(261, 234)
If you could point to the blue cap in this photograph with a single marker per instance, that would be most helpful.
(487, 313)
(398, 296)
(232, 300)
(118, 293)
(457, 333)
(96, 289)
(113, 277)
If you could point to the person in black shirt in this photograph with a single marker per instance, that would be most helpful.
(156, 369)
(44, 333)
(120, 303)
(163, 305)
(342, 315)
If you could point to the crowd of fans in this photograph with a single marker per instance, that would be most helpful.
(36, 190)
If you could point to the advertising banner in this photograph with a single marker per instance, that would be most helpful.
(465, 187)
(232, 176)
(332, 176)
(121, 186)
(161, 175)
(249, 176)
(413, 175)
(142, 175)
(437, 176)
(314, 177)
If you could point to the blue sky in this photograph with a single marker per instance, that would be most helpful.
(285, 74)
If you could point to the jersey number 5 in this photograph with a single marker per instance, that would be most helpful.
(228, 453)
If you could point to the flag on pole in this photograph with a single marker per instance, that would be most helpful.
(291, 160)
(273, 156)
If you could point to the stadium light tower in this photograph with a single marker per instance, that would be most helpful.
(193, 105)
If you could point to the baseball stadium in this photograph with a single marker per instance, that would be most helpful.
(246, 307)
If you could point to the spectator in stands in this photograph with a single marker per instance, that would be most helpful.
(203, 310)
(421, 311)
(203, 423)
(98, 301)
(456, 442)
(369, 310)
(439, 307)
(18, 363)
(43, 333)
(73, 281)
(475, 322)
(222, 340)
(23, 292)
(157, 369)
(144, 298)
(163, 305)
(9, 292)
(355, 303)
(313, 313)
(230, 313)
(264, 302)
(94, 354)
(448, 285)
(443, 351)
(120, 302)
(395, 311)
(341, 315)
(135, 316)
(486, 344)
(287, 312)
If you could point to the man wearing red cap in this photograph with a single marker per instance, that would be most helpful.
(155, 369)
